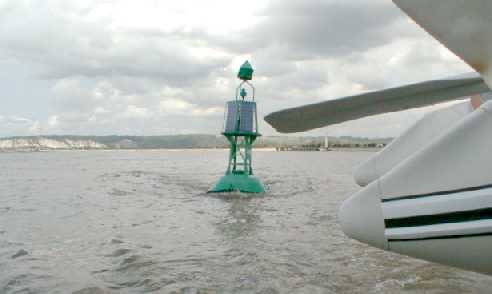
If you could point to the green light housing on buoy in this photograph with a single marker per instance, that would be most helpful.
(241, 130)
(245, 72)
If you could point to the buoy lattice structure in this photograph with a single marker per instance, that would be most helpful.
(241, 131)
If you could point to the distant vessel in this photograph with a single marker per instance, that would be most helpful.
(327, 145)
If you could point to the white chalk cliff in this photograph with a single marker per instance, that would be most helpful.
(47, 144)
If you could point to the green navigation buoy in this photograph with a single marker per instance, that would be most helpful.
(241, 130)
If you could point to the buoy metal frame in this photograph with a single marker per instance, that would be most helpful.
(239, 174)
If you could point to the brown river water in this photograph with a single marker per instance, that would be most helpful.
(142, 222)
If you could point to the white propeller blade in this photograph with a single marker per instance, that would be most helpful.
(322, 114)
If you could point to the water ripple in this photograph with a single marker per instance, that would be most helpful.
(142, 222)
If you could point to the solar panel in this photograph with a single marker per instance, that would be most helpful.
(231, 117)
(247, 112)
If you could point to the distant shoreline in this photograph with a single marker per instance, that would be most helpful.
(267, 149)
(184, 142)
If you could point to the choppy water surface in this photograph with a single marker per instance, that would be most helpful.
(140, 221)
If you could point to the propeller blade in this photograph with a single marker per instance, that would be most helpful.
(336, 111)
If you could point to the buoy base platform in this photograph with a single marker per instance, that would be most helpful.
(238, 182)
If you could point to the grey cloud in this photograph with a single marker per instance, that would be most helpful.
(320, 28)
(108, 80)
(62, 46)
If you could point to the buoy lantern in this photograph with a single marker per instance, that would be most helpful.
(241, 131)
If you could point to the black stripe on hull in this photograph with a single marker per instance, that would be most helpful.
(442, 218)
(439, 193)
(442, 237)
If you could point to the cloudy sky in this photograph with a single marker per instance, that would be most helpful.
(155, 67)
